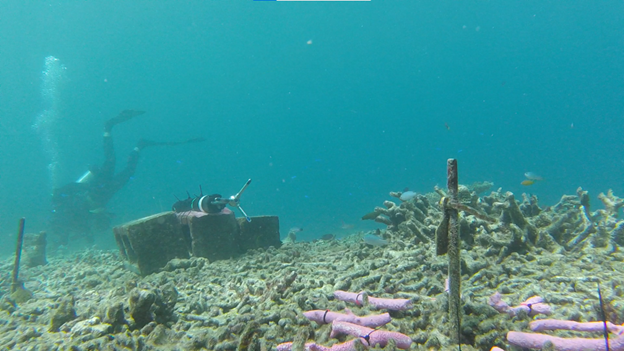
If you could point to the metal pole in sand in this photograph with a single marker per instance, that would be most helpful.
(454, 274)
(15, 284)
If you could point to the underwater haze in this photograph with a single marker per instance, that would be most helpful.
(326, 106)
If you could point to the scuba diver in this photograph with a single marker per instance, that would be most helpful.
(79, 208)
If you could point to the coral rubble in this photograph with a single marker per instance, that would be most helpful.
(510, 244)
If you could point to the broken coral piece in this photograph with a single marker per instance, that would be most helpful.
(532, 306)
(611, 202)
(361, 298)
(326, 317)
(311, 346)
(371, 337)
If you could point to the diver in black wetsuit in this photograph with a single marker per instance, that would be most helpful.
(79, 208)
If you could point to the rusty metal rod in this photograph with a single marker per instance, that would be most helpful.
(18, 254)
(454, 269)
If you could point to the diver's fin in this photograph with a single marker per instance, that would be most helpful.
(122, 117)
(194, 140)
(143, 143)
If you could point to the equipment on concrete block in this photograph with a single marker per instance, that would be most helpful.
(200, 226)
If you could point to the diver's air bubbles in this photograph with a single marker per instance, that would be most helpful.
(52, 81)
(46, 123)
(52, 78)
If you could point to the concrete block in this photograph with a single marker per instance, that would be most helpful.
(34, 250)
(150, 242)
(212, 235)
(262, 231)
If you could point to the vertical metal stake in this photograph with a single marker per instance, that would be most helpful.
(454, 269)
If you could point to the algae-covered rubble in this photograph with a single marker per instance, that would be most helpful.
(89, 301)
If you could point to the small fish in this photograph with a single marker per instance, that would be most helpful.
(532, 176)
(447, 126)
(328, 237)
(527, 182)
(132, 268)
(374, 240)
(346, 226)
(371, 215)
(295, 230)
(408, 195)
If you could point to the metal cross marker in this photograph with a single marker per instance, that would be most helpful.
(234, 200)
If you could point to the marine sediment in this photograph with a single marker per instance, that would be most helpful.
(510, 244)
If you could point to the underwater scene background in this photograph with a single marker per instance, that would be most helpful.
(327, 107)
(383, 95)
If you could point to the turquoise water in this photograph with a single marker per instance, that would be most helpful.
(326, 106)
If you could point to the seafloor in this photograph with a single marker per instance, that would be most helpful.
(89, 301)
